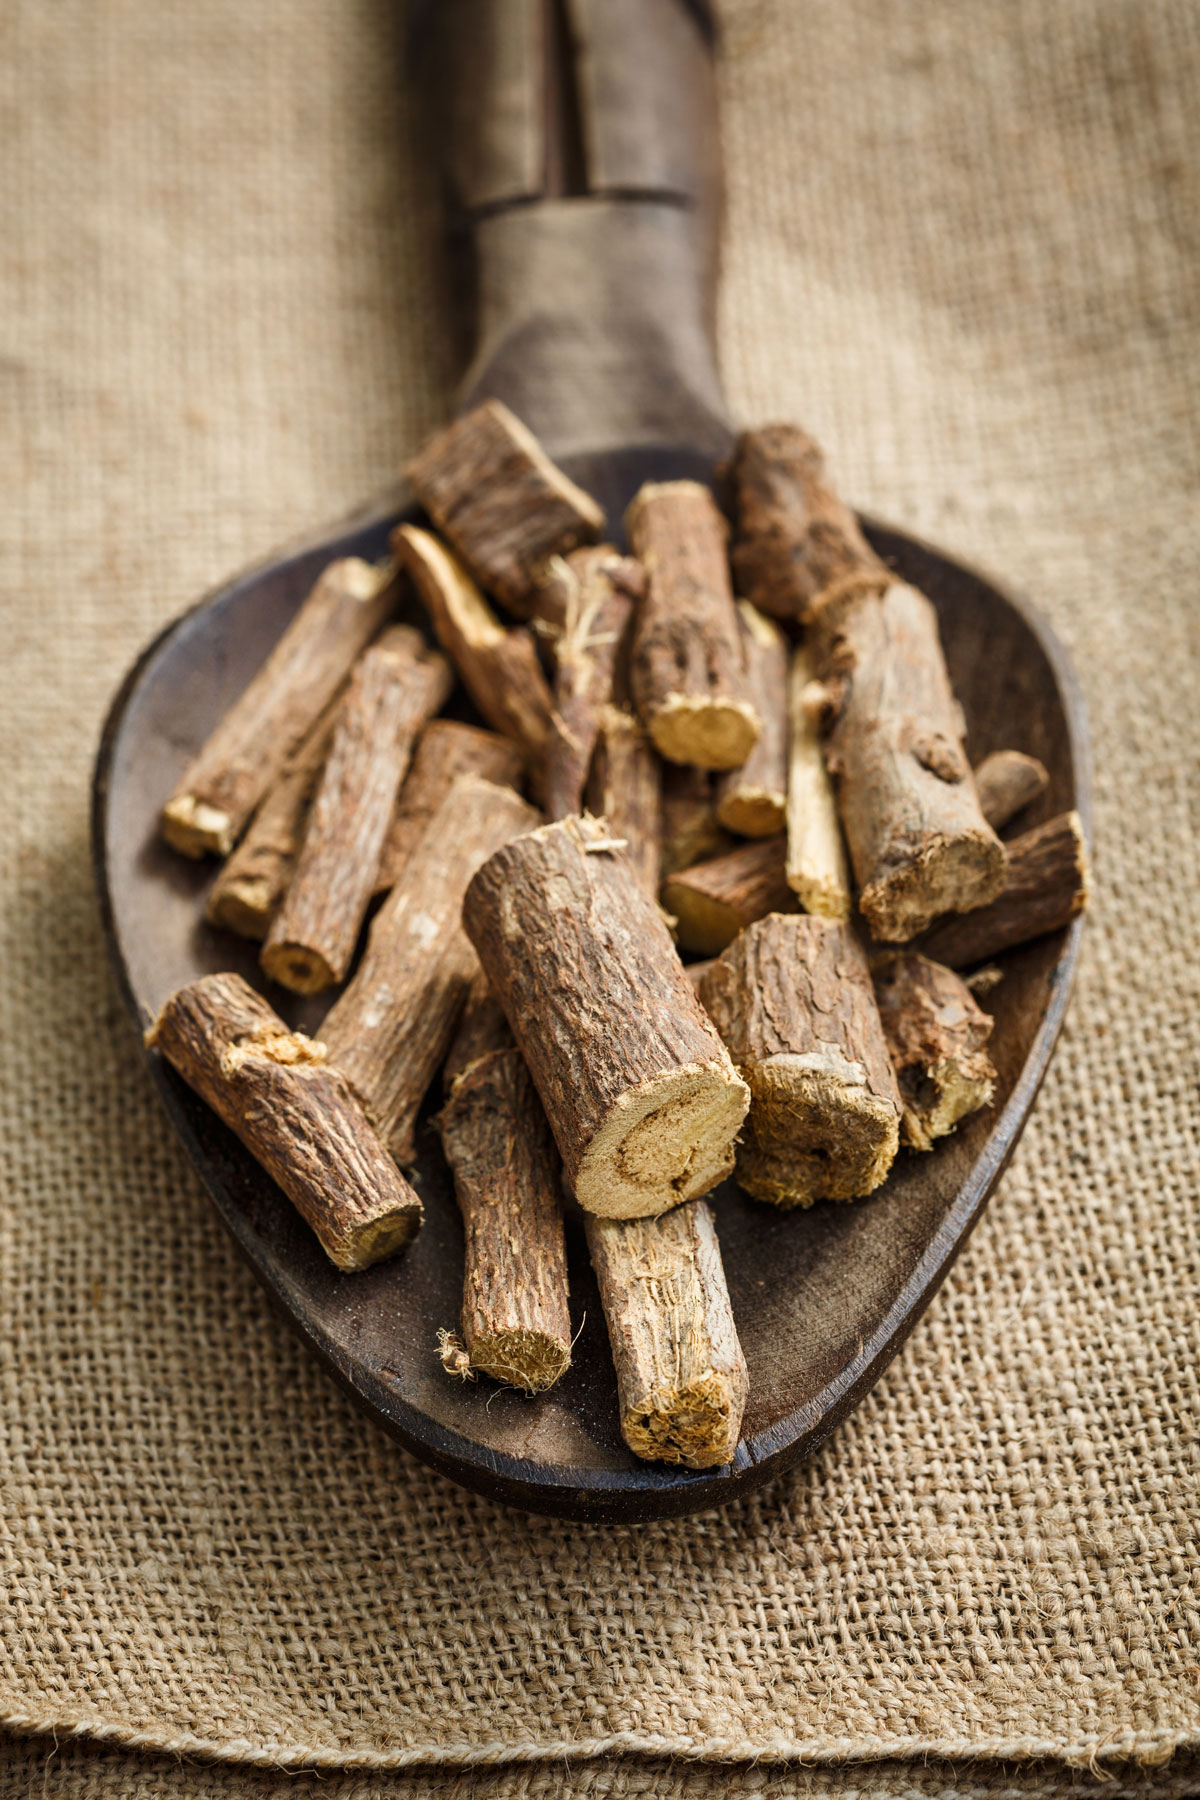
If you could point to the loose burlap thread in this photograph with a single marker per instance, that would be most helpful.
(961, 248)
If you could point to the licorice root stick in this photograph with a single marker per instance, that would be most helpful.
(1045, 887)
(681, 1374)
(795, 540)
(937, 1036)
(752, 800)
(499, 668)
(918, 842)
(506, 508)
(625, 790)
(399, 683)
(638, 1089)
(515, 1322)
(688, 668)
(793, 1002)
(253, 742)
(600, 588)
(250, 886)
(392, 1026)
(1006, 782)
(816, 858)
(714, 900)
(295, 1112)
(445, 750)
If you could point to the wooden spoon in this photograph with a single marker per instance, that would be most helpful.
(595, 311)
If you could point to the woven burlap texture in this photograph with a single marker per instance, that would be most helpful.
(961, 248)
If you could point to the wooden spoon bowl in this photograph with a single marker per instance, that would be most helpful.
(823, 1299)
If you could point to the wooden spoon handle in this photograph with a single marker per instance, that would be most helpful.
(578, 141)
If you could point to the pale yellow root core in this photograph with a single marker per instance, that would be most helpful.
(298, 967)
(752, 812)
(702, 925)
(826, 899)
(361, 1246)
(815, 1132)
(290, 1049)
(948, 1096)
(524, 1359)
(817, 872)
(698, 1426)
(243, 906)
(195, 828)
(708, 733)
(669, 1140)
(950, 875)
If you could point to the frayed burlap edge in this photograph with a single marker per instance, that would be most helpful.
(1096, 1756)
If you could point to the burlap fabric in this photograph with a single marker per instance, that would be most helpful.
(961, 247)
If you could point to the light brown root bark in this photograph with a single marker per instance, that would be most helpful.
(752, 800)
(793, 1001)
(506, 508)
(515, 1321)
(794, 539)
(937, 1038)
(639, 1092)
(1007, 782)
(391, 1027)
(295, 1112)
(918, 842)
(625, 789)
(600, 591)
(445, 750)
(1045, 887)
(398, 684)
(254, 741)
(681, 1374)
(499, 667)
(715, 900)
(250, 886)
(688, 671)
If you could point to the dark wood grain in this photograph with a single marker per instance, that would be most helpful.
(822, 1300)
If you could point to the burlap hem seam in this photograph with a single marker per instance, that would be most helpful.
(1142, 1749)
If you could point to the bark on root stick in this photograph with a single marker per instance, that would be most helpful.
(792, 998)
(816, 857)
(715, 900)
(1045, 887)
(499, 668)
(691, 833)
(1006, 782)
(250, 886)
(681, 1375)
(395, 688)
(688, 670)
(515, 1321)
(919, 844)
(491, 489)
(391, 1028)
(639, 1092)
(600, 588)
(295, 1112)
(794, 539)
(445, 749)
(752, 800)
(626, 791)
(252, 744)
(937, 1037)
